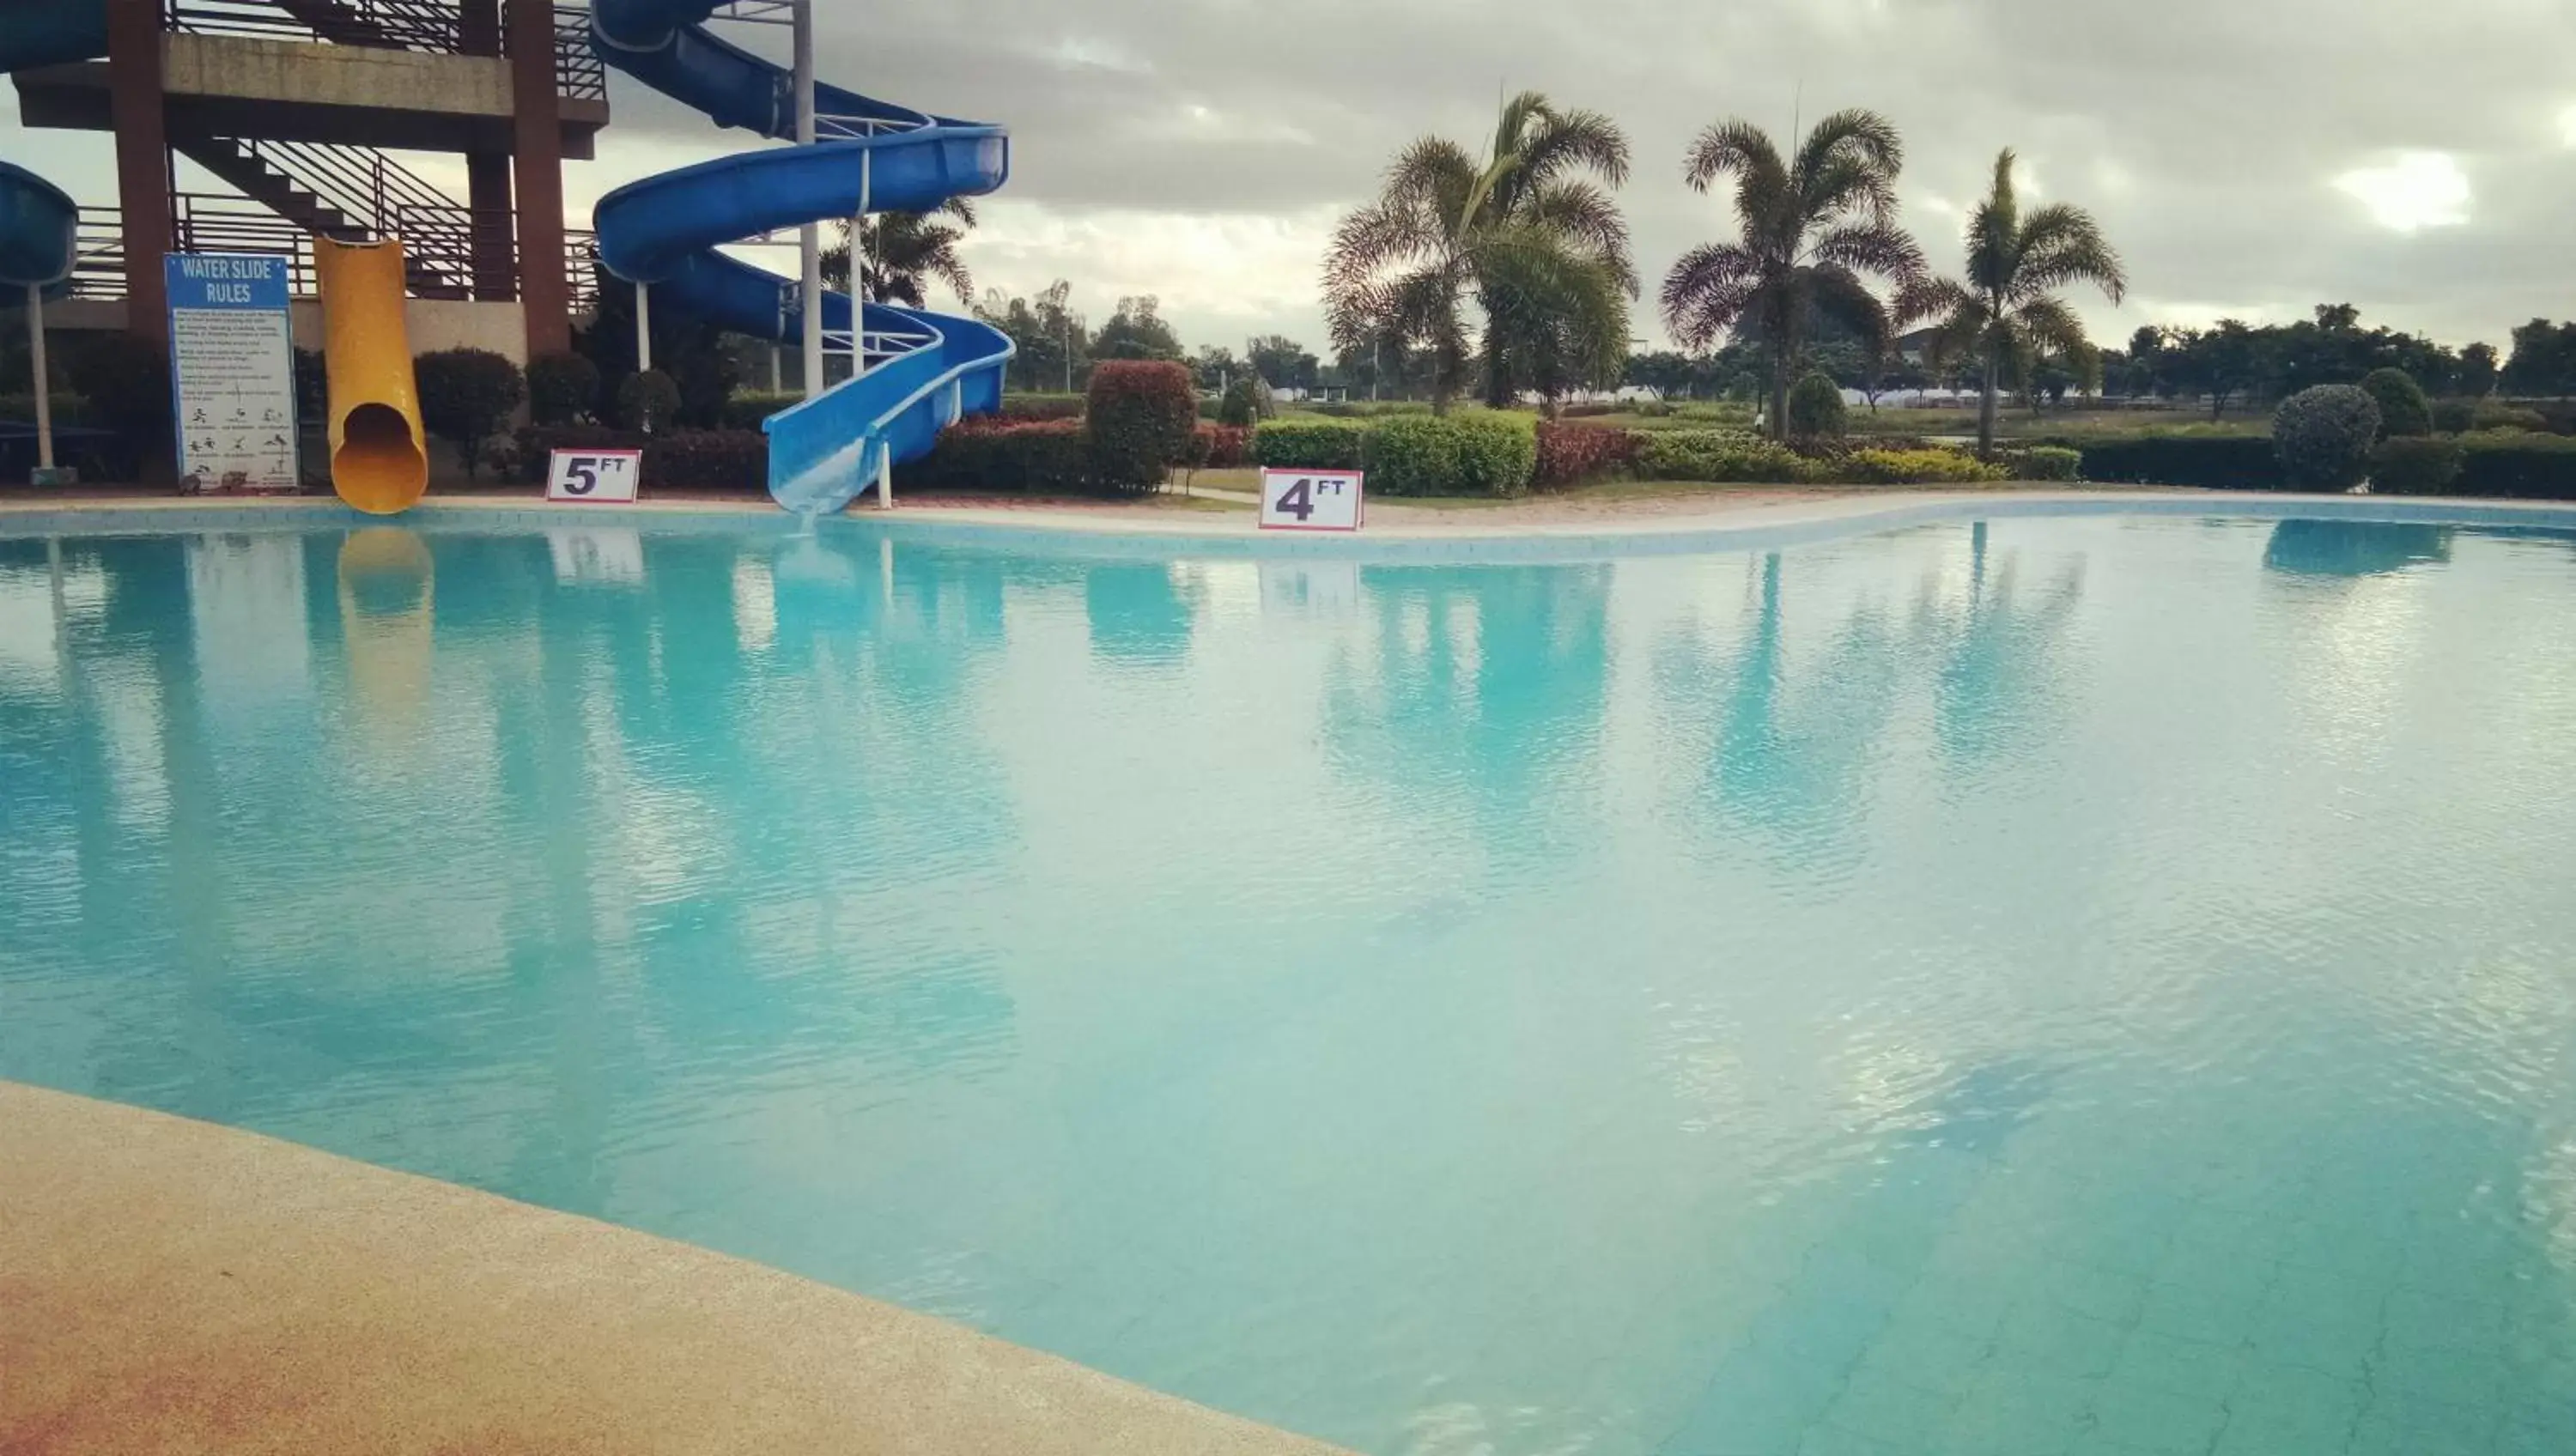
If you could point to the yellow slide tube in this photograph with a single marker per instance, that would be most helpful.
(378, 461)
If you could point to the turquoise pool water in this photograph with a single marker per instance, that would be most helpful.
(2056, 985)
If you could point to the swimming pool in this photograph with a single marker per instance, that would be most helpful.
(2043, 985)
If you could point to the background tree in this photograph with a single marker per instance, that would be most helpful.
(1813, 230)
(2477, 378)
(2543, 359)
(1054, 343)
(2004, 312)
(465, 396)
(1283, 361)
(1137, 331)
(1215, 368)
(901, 252)
(1529, 233)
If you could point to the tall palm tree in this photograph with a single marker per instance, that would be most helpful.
(1530, 232)
(901, 252)
(2004, 314)
(1815, 229)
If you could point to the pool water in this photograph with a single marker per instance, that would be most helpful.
(2093, 984)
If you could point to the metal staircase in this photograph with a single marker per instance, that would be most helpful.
(353, 194)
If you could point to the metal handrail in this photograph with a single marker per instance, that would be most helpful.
(212, 223)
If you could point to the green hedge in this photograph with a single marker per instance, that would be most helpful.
(1468, 454)
(2213, 462)
(2512, 463)
(1139, 415)
(1041, 406)
(1310, 443)
(2043, 462)
(1724, 456)
(1933, 466)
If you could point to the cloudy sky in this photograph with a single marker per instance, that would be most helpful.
(2250, 157)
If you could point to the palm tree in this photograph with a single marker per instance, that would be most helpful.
(1814, 230)
(2003, 314)
(902, 251)
(1538, 243)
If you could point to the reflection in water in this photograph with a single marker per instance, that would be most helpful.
(1138, 614)
(2003, 679)
(2353, 548)
(387, 622)
(1476, 690)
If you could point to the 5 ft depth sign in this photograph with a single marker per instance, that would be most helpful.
(594, 475)
(1311, 500)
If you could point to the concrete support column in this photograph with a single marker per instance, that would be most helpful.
(142, 160)
(487, 183)
(537, 135)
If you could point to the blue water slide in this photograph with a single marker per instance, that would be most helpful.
(925, 370)
(51, 32)
(38, 225)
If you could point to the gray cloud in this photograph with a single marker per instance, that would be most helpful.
(1152, 136)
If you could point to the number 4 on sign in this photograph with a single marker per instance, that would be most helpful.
(1310, 500)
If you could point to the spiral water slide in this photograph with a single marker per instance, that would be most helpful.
(923, 370)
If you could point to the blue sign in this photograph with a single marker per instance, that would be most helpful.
(227, 281)
(232, 368)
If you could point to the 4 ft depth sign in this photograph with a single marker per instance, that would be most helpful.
(1311, 500)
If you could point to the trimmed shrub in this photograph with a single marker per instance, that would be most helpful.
(1310, 443)
(747, 409)
(1476, 453)
(1042, 406)
(1247, 402)
(2497, 415)
(2455, 416)
(1569, 453)
(708, 460)
(1140, 414)
(465, 397)
(2323, 436)
(126, 379)
(562, 388)
(1816, 414)
(2403, 409)
(1220, 447)
(2512, 463)
(1726, 456)
(1037, 457)
(68, 408)
(2043, 462)
(647, 401)
(2208, 462)
(1915, 467)
(2414, 465)
(523, 461)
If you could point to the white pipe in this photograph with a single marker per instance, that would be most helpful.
(643, 327)
(36, 360)
(885, 476)
(858, 293)
(809, 240)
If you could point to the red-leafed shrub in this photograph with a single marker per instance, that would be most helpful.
(1141, 414)
(1221, 447)
(1042, 457)
(1569, 453)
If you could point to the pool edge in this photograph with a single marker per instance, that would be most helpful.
(1731, 528)
(180, 1286)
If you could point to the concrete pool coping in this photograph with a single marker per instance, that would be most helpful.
(1717, 523)
(175, 1286)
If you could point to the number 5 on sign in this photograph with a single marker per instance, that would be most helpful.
(1310, 500)
(594, 475)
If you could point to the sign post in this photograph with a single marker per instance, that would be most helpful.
(232, 371)
(594, 476)
(1311, 500)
